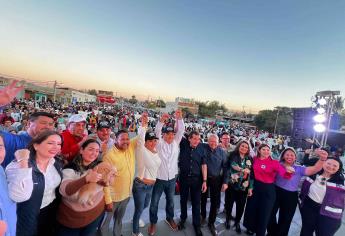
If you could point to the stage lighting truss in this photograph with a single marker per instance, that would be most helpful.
(319, 104)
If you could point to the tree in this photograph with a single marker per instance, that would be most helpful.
(133, 100)
(92, 92)
(160, 103)
(208, 109)
(266, 120)
(186, 112)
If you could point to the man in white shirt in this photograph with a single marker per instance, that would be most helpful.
(168, 151)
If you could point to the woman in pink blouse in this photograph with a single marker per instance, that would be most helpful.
(259, 206)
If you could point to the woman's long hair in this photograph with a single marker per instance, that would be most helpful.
(260, 147)
(39, 139)
(235, 155)
(77, 162)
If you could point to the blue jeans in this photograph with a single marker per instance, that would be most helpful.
(168, 186)
(142, 196)
(87, 230)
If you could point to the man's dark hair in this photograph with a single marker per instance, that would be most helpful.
(34, 116)
(224, 133)
(121, 131)
(193, 132)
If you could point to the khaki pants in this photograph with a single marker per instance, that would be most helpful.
(119, 209)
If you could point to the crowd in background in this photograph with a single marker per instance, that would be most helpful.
(71, 170)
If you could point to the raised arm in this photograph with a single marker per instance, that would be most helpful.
(180, 126)
(142, 130)
(19, 177)
(8, 93)
(158, 129)
(311, 170)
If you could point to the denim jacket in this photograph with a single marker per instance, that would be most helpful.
(333, 202)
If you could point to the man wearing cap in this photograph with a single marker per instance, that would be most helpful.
(73, 137)
(148, 163)
(103, 136)
(168, 151)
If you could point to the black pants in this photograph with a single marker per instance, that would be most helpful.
(214, 186)
(190, 185)
(46, 224)
(238, 196)
(259, 208)
(286, 203)
(312, 221)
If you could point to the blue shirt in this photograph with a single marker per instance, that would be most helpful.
(216, 161)
(14, 142)
(7, 206)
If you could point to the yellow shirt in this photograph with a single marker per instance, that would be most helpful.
(124, 162)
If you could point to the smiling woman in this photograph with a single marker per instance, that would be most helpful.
(322, 200)
(32, 180)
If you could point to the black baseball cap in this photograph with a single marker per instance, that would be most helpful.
(103, 124)
(168, 129)
(150, 136)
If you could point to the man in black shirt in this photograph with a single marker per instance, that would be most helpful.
(192, 175)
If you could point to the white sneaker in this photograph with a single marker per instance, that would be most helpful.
(139, 234)
(141, 224)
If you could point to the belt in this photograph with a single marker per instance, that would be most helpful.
(143, 181)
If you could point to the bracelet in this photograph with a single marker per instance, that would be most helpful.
(204, 181)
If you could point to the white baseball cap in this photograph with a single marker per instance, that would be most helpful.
(77, 118)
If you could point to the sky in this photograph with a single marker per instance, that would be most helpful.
(251, 54)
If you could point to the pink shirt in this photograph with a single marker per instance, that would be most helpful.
(266, 170)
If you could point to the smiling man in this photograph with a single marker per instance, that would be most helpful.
(38, 122)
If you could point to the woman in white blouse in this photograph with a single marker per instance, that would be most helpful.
(33, 178)
(148, 163)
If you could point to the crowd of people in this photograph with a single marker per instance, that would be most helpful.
(72, 169)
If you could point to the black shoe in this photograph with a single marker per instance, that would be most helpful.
(227, 224)
(181, 225)
(212, 229)
(238, 228)
(249, 232)
(197, 231)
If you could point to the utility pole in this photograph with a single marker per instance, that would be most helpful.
(275, 125)
(55, 85)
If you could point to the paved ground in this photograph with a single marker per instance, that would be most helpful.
(164, 230)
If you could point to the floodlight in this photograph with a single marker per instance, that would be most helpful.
(321, 110)
(322, 101)
(320, 118)
(319, 128)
